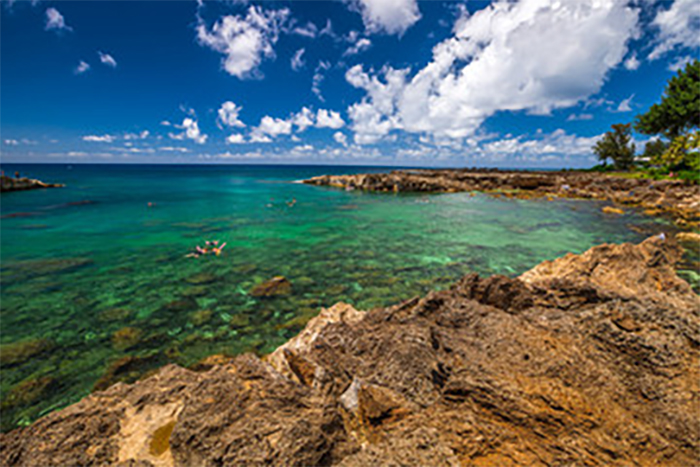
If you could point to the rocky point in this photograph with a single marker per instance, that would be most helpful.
(676, 198)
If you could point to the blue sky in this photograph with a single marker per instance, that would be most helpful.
(384, 82)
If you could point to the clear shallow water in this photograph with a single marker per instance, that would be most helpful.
(91, 274)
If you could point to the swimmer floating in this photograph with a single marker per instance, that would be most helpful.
(210, 248)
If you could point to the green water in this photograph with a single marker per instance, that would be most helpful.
(74, 273)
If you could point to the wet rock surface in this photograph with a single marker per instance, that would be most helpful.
(590, 359)
(20, 184)
(674, 197)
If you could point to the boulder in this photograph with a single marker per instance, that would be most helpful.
(277, 286)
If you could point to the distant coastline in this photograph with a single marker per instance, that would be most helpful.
(676, 198)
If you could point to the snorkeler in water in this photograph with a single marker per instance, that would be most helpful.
(211, 247)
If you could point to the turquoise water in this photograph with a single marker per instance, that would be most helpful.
(91, 275)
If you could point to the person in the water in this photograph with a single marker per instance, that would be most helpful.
(210, 248)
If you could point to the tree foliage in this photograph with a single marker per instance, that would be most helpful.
(654, 149)
(679, 109)
(683, 153)
(617, 145)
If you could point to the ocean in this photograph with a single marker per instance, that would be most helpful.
(96, 285)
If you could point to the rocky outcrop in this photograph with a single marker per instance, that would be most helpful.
(24, 183)
(675, 197)
(587, 360)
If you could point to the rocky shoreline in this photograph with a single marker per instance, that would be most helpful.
(590, 359)
(673, 197)
(8, 184)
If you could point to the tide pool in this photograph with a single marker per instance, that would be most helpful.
(96, 286)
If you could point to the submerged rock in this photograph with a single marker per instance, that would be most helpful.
(182, 305)
(200, 317)
(28, 391)
(114, 314)
(201, 278)
(23, 270)
(126, 338)
(590, 359)
(20, 352)
(277, 286)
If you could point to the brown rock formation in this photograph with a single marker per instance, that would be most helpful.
(20, 184)
(587, 360)
(671, 196)
(278, 285)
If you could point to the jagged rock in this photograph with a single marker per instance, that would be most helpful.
(590, 359)
(21, 184)
(125, 369)
(207, 363)
(666, 196)
(276, 286)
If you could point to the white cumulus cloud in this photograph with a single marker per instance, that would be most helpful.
(81, 68)
(303, 119)
(679, 27)
(532, 55)
(361, 45)
(55, 20)
(329, 119)
(244, 41)
(340, 138)
(99, 138)
(575, 117)
(192, 131)
(625, 105)
(632, 63)
(228, 114)
(107, 59)
(271, 127)
(388, 16)
(235, 138)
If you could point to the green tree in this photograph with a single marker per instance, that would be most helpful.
(679, 109)
(654, 149)
(617, 145)
(677, 117)
(683, 153)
